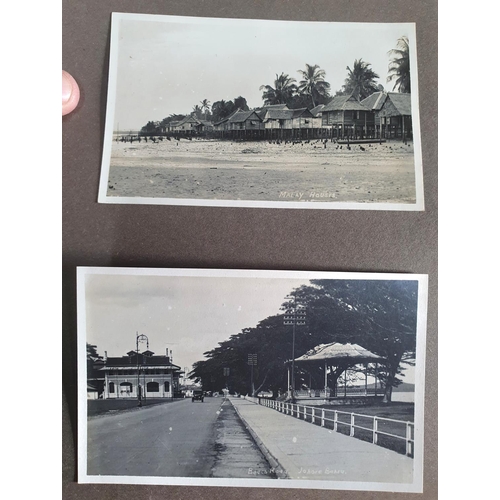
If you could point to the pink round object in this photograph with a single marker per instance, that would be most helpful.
(70, 93)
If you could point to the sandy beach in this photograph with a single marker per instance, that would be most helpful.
(224, 170)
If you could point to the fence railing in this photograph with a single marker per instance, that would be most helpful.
(341, 391)
(378, 430)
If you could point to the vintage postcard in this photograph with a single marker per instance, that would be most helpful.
(278, 379)
(257, 113)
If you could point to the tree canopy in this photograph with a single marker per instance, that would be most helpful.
(205, 107)
(360, 81)
(314, 85)
(399, 67)
(284, 88)
(379, 315)
(222, 109)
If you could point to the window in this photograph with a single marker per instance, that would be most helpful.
(125, 388)
(152, 387)
(167, 386)
(111, 387)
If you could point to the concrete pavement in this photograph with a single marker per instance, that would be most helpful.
(301, 450)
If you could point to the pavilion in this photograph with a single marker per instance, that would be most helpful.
(328, 362)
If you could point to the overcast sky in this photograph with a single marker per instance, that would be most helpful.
(166, 65)
(186, 314)
(189, 315)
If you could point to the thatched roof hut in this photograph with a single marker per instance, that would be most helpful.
(244, 120)
(389, 103)
(188, 123)
(396, 104)
(344, 103)
(261, 112)
(392, 113)
(347, 116)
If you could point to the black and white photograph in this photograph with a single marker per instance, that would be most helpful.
(277, 379)
(260, 113)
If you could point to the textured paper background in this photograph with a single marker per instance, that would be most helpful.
(172, 236)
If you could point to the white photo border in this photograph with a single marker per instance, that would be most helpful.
(415, 487)
(139, 200)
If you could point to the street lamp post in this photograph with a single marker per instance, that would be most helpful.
(252, 361)
(139, 338)
(295, 315)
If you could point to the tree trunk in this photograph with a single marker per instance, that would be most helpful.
(393, 369)
(387, 394)
(263, 382)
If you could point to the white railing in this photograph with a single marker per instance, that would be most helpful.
(337, 419)
(341, 391)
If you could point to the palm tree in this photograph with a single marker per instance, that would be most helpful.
(399, 67)
(196, 111)
(360, 81)
(205, 106)
(313, 83)
(283, 90)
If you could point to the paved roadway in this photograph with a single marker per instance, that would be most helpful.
(175, 439)
(180, 439)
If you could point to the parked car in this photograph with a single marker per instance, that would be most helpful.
(197, 396)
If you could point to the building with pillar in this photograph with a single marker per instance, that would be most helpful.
(144, 374)
(326, 365)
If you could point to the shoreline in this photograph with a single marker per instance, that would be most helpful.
(262, 171)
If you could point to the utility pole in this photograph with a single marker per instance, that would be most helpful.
(226, 371)
(139, 338)
(295, 315)
(252, 361)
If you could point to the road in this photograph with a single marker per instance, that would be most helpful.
(181, 439)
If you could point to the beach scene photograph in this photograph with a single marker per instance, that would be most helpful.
(232, 112)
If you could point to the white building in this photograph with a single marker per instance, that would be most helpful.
(141, 374)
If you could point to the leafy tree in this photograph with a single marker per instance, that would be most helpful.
(399, 67)
(92, 353)
(299, 101)
(379, 315)
(269, 340)
(313, 84)
(172, 118)
(94, 360)
(150, 128)
(241, 103)
(222, 109)
(360, 81)
(283, 90)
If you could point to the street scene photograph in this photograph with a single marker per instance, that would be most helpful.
(258, 113)
(282, 379)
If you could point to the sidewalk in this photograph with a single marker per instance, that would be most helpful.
(307, 451)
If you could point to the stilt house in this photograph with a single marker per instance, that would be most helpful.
(392, 114)
(245, 120)
(346, 117)
(317, 113)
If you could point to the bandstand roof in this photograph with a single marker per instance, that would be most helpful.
(336, 352)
